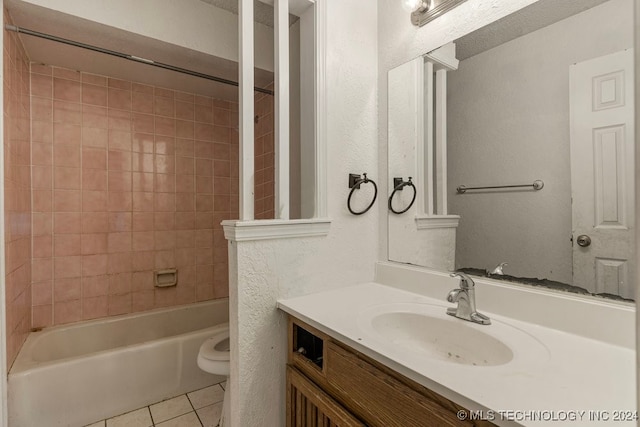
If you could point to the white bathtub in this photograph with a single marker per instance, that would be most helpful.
(74, 375)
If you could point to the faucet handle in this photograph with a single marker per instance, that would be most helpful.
(466, 282)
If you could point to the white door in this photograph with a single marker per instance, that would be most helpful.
(602, 173)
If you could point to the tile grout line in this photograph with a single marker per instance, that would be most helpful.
(153, 423)
(194, 408)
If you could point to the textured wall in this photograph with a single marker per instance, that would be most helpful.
(127, 179)
(17, 193)
(497, 138)
(263, 271)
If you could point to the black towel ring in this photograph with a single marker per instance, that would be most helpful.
(356, 185)
(398, 188)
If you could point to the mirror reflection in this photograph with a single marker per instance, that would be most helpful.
(538, 107)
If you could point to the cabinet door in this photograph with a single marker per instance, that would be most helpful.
(309, 406)
(380, 399)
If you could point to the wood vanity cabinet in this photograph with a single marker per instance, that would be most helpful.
(332, 385)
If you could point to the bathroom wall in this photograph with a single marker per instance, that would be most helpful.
(127, 179)
(17, 193)
(262, 271)
(400, 41)
(529, 141)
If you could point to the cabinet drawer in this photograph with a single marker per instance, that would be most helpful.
(378, 398)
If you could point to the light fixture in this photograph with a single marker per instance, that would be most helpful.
(411, 5)
(423, 11)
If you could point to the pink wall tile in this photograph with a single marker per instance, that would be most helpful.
(94, 179)
(93, 79)
(67, 90)
(142, 162)
(119, 180)
(66, 222)
(119, 99)
(66, 244)
(119, 201)
(41, 85)
(42, 109)
(119, 304)
(67, 112)
(66, 178)
(42, 315)
(130, 190)
(142, 142)
(95, 285)
(66, 155)
(120, 221)
(42, 246)
(66, 73)
(94, 243)
(119, 84)
(94, 158)
(142, 300)
(67, 289)
(94, 201)
(119, 140)
(94, 265)
(95, 117)
(41, 131)
(142, 221)
(95, 307)
(94, 95)
(42, 293)
(67, 312)
(142, 102)
(42, 154)
(67, 267)
(95, 222)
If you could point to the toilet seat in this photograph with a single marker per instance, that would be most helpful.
(213, 356)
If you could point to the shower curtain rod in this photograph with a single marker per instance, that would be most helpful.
(128, 57)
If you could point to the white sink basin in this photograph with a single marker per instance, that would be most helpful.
(426, 330)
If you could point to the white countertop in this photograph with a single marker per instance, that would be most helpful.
(574, 382)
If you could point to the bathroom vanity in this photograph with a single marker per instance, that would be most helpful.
(331, 384)
(386, 353)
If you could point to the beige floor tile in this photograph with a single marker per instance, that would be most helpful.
(186, 420)
(137, 418)
(210, 415)
(170, 408)
(206, 396)
(98, 424)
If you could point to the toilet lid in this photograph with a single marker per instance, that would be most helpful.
(216, 347)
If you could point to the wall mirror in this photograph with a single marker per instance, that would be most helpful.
(542, 100)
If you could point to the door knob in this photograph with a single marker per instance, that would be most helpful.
(584, 240)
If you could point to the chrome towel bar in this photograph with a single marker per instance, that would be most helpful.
(537, 185)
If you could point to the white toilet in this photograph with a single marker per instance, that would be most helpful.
(213, 358)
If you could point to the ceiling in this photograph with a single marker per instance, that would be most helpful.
(526, 20)
(73, 28)
(262, 13)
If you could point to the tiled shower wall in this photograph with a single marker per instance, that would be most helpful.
(264, 156)
(127, 179)
(17, 193)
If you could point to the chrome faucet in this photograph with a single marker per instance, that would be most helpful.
(465, 296)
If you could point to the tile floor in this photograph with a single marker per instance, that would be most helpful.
(199, 408)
